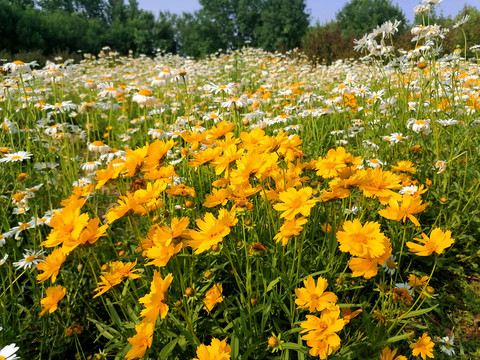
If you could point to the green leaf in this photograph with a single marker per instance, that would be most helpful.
(417, 312)
(167, 350)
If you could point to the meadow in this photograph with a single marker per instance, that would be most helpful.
(248, 205)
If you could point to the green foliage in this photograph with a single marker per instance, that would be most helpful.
(358, 17)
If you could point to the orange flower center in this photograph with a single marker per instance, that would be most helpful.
(145, 92)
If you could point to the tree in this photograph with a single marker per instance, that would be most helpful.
(284, 24)
(359, 17)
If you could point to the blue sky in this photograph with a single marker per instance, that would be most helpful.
(320, 10)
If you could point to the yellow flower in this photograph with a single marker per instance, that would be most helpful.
(140, 341)
(388, 354)
(51, 265)
(401, 211)
(404, 166)
(54, 295)
(213, 297)
(362, 240)
(217, 350)
(290, 228)
(117, 270)
(67, 224)
(295, 202)
(437, 242)
(423, 347)
(313, 296)
(368, 266)
(155, 301)
(212, 231)
(321, 336)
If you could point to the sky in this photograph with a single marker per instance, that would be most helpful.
(321, 11)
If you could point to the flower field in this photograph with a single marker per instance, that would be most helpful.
(243, 206)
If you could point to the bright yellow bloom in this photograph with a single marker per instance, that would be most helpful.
(290, 228)
(380, 184)
(54, 295)
(404, 166)
(321, 336)
(217, 350)
(423, 347)
(313, 296)
(295, 202)
(401, 211)
(51, 265)
(67, 224)
(436, 243)
(362, 240)
(388, 354)
(181, 190)
(212, 231)
(213, 297)
(155, 301)
(140, 341)
(117, 270)
(90, 234)
(368, 266)
(218, 197)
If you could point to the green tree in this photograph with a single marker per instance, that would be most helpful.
(359, 17)
(165, 32)
(8, 24)
(284, 24)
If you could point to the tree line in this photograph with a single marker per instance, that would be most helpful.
(49, 27)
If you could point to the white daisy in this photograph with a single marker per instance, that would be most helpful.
(30, 259)
(18, 156)
(8, 352)
(447, 345)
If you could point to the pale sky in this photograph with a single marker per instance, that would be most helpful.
(320, 10)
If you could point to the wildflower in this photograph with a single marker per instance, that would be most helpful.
(116, 271)
(73, 329)
(419, 126)
(144, 97)
(367, 266)
(441, 166)
(30, 259)
(321, 332)
(404, 166)
(373, 163)
(212, 231)
(313, 296)
(361, 240)
(98, 147)
(218, 350)
(54, 295)
(401, 211)
(18, 156)
(51, 266)
(447, 345)
(437, 242)
(8, 352)
(290, 228)
(141, 341)
(390, 265)
(19, 66)
(154, 302)
(213, 297)
(295, 202)
(388, 354)
(423, 347)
